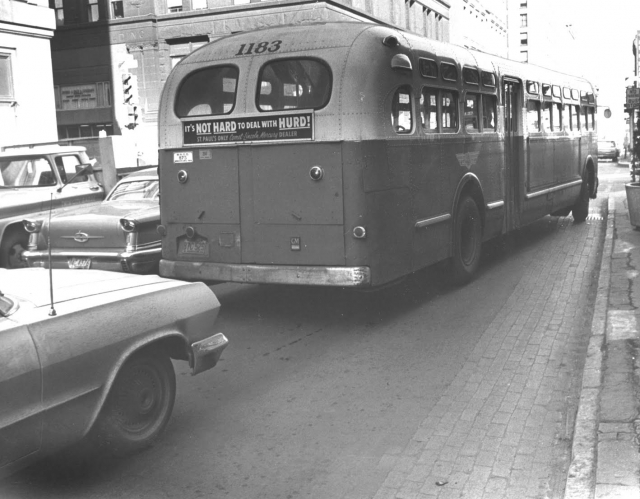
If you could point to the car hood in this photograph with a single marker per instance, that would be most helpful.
(32, 284)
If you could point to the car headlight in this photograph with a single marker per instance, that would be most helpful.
(32, 226)
(128, 225)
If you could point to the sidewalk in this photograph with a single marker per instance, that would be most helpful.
(605, 458)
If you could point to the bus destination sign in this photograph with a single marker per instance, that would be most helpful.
(297, 126)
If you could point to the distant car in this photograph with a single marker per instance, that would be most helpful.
(118, 234)
(100, 365)
(607, 150)
(34, 179)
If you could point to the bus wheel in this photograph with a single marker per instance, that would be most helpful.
(581, 209)
(467, 241)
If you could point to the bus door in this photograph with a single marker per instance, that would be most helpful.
(513, 149)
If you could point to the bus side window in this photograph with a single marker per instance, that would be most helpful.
(471, 113)
(547, 111)
(575, 117)
(585, 116)
(533, 115)
(592, 113)
(557, 117)
(449, 111)
(489, 106)
(429, 109)
(566, 117)
(402, 110)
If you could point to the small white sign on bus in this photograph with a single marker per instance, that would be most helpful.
(183, 157)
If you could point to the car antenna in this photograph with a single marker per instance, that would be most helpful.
(85, 169)
(52, 312)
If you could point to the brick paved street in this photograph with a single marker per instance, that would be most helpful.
(507, 419)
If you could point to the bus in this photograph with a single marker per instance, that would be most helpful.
(352, 154)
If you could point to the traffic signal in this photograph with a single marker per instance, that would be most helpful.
(130, 93)
(130, 88)
(132, 112)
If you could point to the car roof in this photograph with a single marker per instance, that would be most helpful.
(147, 173)
(39, 150)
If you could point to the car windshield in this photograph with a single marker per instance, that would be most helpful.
(26, 172)
(135, 190)
(7, 305)
(607, 144)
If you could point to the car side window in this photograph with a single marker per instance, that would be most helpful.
(26, 172)
(67, 168)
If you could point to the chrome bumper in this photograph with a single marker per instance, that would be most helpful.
(206, 353)
(267, 274)
(101, 260)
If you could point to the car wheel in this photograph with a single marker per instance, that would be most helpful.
(467, 241)
(139, 404)
(13, 245)
(581, 209)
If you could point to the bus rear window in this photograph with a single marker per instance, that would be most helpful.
(208, 92)
(294, 84)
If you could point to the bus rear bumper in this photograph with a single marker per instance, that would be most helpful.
(267, 274)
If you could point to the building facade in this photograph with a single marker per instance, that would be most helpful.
(540, 34)
(480, 25)
(112, 57)
(26, 29)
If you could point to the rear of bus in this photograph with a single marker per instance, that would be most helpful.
(253, 187)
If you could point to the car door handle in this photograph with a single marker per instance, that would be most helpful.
(96, 188)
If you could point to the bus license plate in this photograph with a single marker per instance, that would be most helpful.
(79, 263)
(195, 247)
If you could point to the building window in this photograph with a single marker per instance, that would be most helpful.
(523, 21)
(174, 5)
(524, 56)
(59, 10)
(93, 11)
(198, 4)
(117, 9)
(523, 4)
(6, 77)
(76, 131)
(524, 38)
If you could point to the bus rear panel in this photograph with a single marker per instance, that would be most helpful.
(352, 154)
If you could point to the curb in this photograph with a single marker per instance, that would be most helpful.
(581, 477)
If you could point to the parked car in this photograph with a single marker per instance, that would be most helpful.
(96, 361)
(34, 180)
(607, 150)
(118, 234)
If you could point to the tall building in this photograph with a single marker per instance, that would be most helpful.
(480, 25)
(27, 107)
(111, 57)
(539, 34)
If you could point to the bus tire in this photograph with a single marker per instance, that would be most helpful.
(581, 209)
(467, 241)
